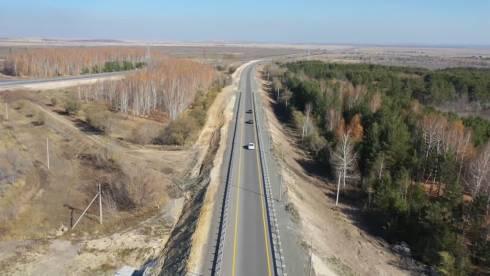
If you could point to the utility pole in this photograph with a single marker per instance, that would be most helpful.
(84, 211)
(99, 194)
(100, 204)
(47, 152)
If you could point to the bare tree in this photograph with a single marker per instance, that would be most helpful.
(49, 62)
(332, 118)
(352, 94)
(277, 85)
(306, 122)
(345, 161)
(170, 85)
(286, 96)
(479, 172)
(432, 131)
(441, 136)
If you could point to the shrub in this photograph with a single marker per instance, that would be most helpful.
(199, 114)
(72, 106)
(99, 118)
(19, 105)
(298, 119)
(180, 131)
(231, 69)
(40, 119)
(144, 134)
(314, 142)
(54, 101)
(289, 207)
(446, 264)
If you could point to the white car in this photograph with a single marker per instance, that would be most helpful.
(251, 146)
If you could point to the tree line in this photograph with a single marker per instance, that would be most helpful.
(167, 85)
(423, 176)
(61, 61)
(427, 86)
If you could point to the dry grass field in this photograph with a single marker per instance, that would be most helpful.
(139, 182)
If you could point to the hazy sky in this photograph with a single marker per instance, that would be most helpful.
(455, 22)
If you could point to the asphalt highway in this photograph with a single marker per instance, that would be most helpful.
(17, 84)
(247, 248)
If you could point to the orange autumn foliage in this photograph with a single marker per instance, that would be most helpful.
(355, 128)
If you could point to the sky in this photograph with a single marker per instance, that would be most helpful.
(407, 22)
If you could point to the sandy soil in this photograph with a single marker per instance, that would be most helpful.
(99, 256)
(338, 246)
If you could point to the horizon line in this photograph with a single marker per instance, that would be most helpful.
(247, 42)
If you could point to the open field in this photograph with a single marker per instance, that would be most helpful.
(230, 53)
(77, 151)
(431, 58)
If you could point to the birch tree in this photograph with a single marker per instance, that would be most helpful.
(277, 85)
(50, 62)
(479, 172)
(286, 96)
(306, 122)
(169, 86)
(345, 162)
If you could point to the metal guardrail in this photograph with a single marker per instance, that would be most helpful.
(218, 255)
(264, 145)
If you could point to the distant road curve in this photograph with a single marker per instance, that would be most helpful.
(60, 82)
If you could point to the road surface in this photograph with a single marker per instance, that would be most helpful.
(247, 247)
(58, 82)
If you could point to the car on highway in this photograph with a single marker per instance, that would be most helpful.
(249, 111)
(250, 122)
(251, 146)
